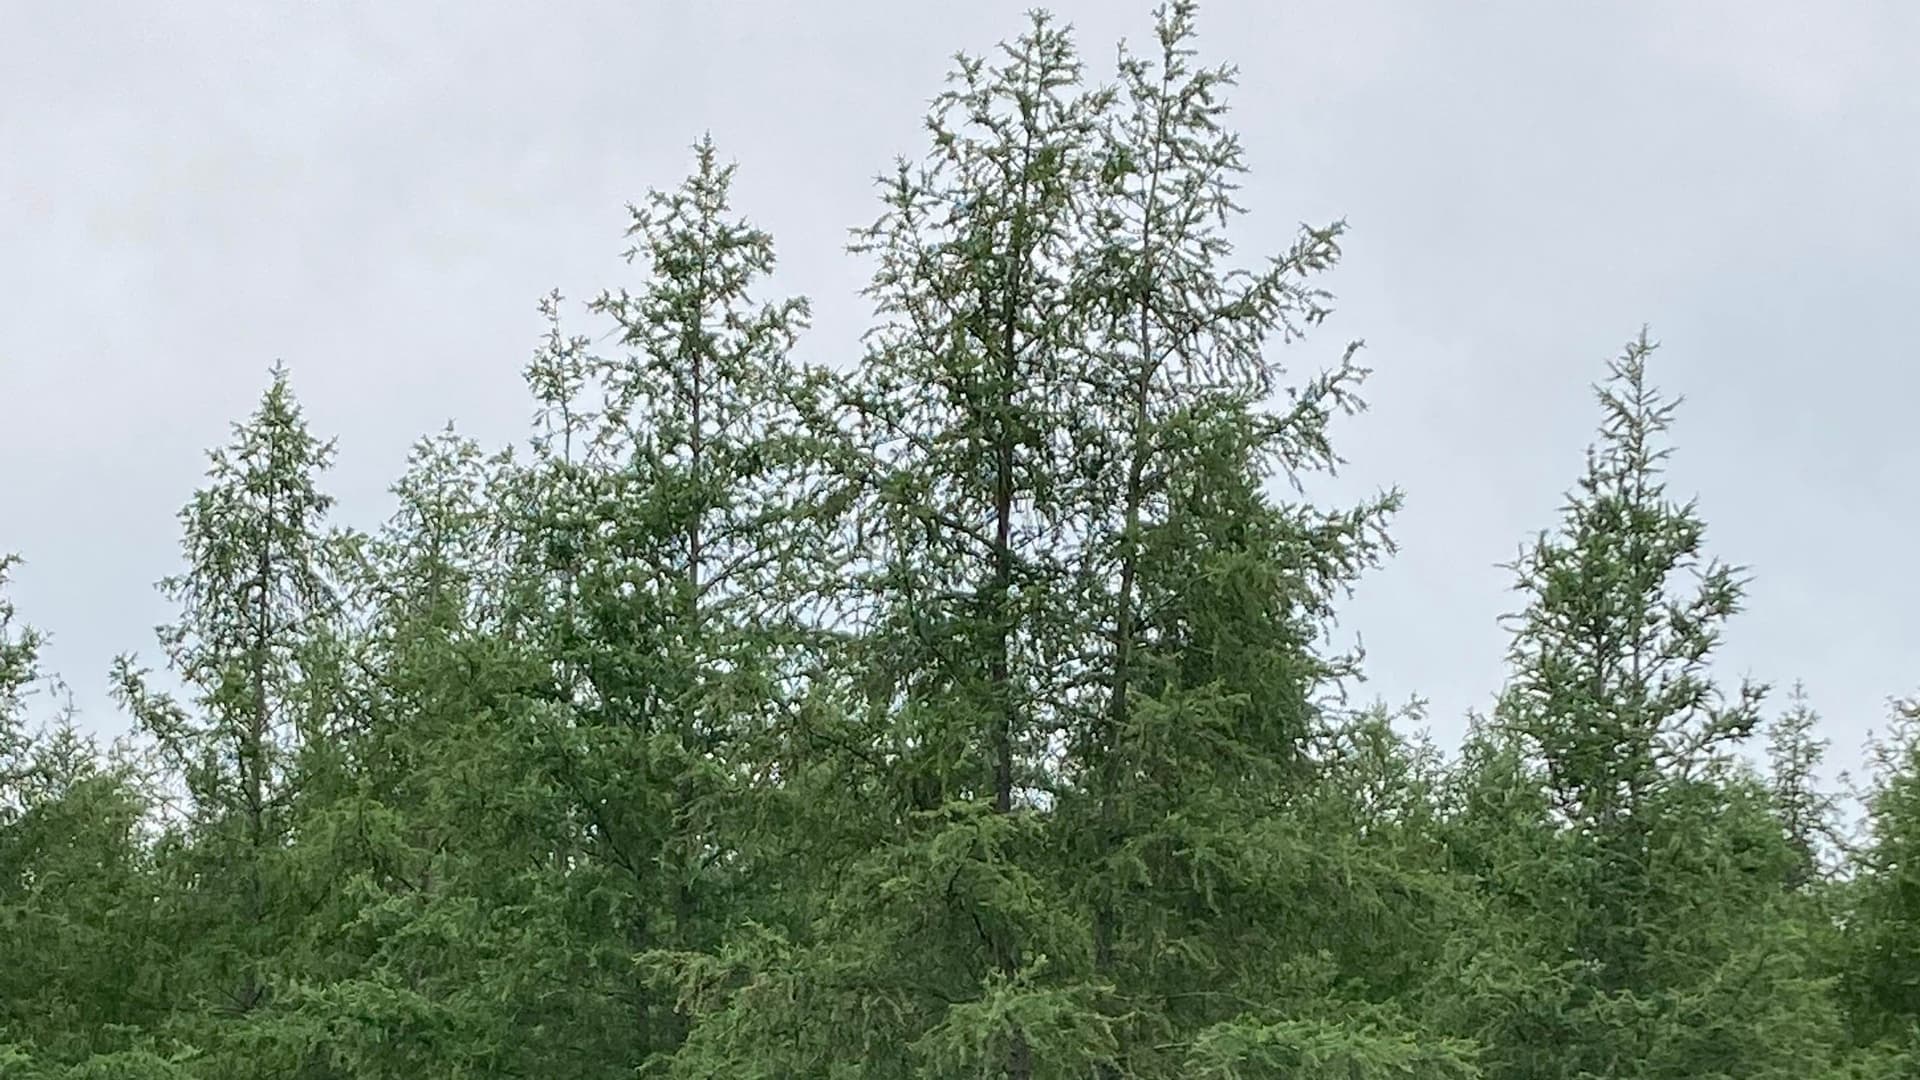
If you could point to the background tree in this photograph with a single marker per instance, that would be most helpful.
(660, 539)
(1884, 925)
(1807, 812)
(1659, 903)
(78, 944)
(425, 935)
(1207, 600)
(259, 608)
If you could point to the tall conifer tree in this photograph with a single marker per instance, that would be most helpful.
(259, 611)
(1662, 842)
(662, 521)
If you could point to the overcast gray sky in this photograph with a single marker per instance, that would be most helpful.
(377, 193)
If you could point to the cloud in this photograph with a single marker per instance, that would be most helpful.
(1813, 61)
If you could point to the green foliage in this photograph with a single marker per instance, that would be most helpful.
(1640, 884)
(78, 940)
(1363, 1048)
(970, 711)
(19, 654)
(1884, 928)
(1808, 815)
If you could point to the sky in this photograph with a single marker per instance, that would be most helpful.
(378, 193)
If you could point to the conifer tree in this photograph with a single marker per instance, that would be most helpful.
(1806, 812)
(1660, 843)
(78, 944)
(81, 956)
(19, 669)
(421, 934)
(1610, 686)
(1883, 928)
(19, 656)
(662, 524)
(1208, 597)
(258, 606)
(962, 411)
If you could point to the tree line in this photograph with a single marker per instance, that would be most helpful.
(967, 710)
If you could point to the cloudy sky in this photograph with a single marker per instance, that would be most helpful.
(377, 192)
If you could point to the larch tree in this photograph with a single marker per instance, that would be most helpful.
(1663, 845)
(258, 613)
(1610, 687)
(941, 944)
(415, 819)
(1807, 812)
(19, 666)
(966, 406)
(1882, 988)
(669, 535)
(1206, 597)
(84, 957)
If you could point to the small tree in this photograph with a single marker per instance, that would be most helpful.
(1806, 811)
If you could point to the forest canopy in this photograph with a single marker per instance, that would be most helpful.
(968, 708)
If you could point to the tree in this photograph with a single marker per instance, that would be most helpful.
(1610, 686)
(1657, 908)
(961, 421)
(1207, 599)
(423, 946)
(1806, 812)
(77, 941)
(259, 608)
(659, 538)
(1884, 926)
(19, 669)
